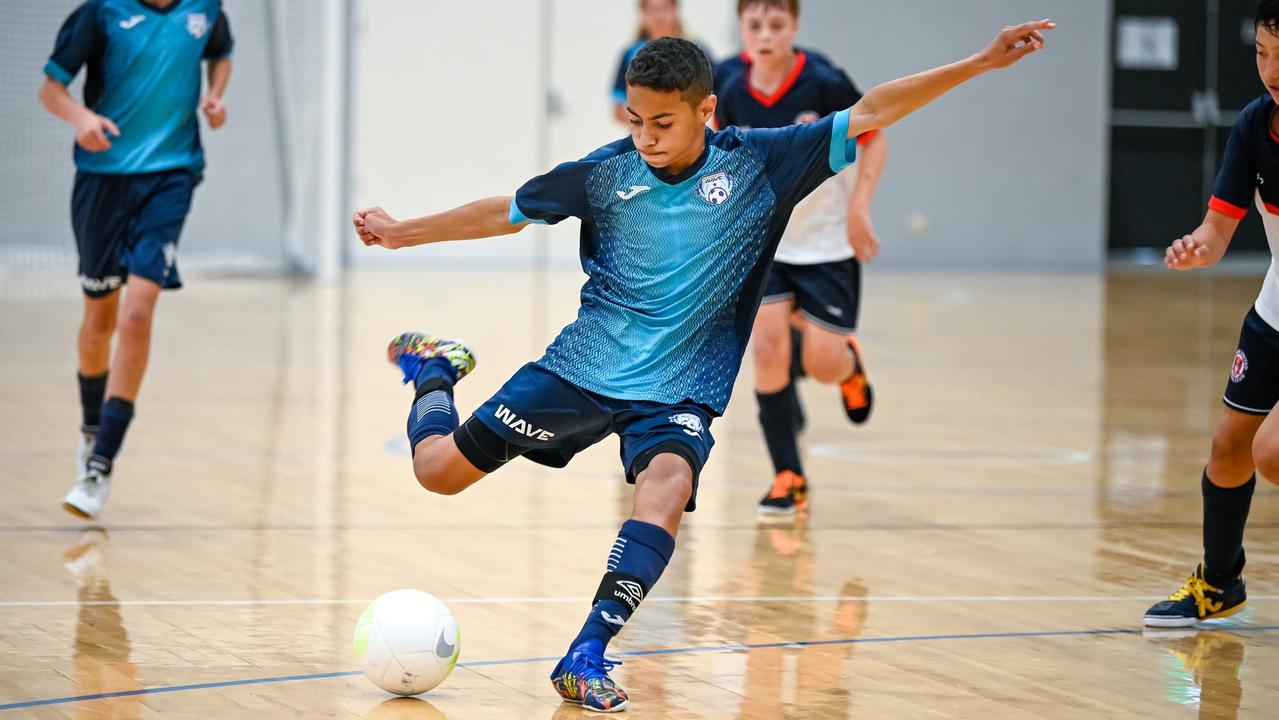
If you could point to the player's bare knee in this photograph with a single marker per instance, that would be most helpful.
(432, 469)
(136, 319)
(671, 478)
(1265, 456)
(826, 370)
(1231, 448)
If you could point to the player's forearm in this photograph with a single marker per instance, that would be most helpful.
(870, 166)
(886, 104)
(56, 99)
(489, 217)
(218, 74)
(1214, 238)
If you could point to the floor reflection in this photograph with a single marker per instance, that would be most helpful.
(1203, 670)
(811, 681)
(405, 708)
(102, 648)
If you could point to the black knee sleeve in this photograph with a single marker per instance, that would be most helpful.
(485, 449)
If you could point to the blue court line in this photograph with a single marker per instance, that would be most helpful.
(695, 650)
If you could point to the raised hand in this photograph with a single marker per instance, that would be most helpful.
(374, 226)
(1015, 43)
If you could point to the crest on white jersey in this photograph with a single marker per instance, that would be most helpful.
(716, 189)
(197, 25)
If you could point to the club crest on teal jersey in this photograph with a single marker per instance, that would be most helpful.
(716, 189)
(197, 25)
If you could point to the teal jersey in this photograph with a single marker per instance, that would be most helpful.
(676, 264)
(143, 73)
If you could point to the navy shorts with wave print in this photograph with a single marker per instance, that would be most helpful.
(1253, 387)
(548, 420)
(129, 225)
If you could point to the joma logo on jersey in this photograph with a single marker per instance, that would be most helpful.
(715, 189)
(523, 427)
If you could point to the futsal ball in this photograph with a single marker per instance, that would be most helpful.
(407, 642)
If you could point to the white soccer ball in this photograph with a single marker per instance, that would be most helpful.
(407, 642)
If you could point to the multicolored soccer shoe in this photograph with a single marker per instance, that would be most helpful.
(788, 495)
(858, 397)
(581, 677)
(410, 350)
(1197, 601)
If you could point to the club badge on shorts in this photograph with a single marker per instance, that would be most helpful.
(1239, 367)
(716, 188)
(690, 423)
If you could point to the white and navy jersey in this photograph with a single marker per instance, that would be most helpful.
(818, 231)
(1250, 175)
(676, 264)
(144, 75)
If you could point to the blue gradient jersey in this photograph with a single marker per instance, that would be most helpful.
(144, 75)
(675, 264)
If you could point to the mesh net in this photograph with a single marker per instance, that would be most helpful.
(255, 210)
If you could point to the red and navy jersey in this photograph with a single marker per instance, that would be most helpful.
(814, 89)
(1251, 163)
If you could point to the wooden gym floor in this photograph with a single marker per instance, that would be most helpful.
(983, 548)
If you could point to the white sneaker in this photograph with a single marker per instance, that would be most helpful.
(88, 438)
(91, 491)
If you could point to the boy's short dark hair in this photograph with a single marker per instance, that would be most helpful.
(1268, 15)
(790, 6)
(672, 65)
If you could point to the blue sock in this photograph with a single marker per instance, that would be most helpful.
(92, 391)
(639, 555)
(433, 412)
(117, 413)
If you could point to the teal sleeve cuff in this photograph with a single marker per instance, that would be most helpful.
(57, 72)
(843, 149)
(518, 217)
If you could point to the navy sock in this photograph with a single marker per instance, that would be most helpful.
(639, 555)
(117, 413)
(433, 412)
(777, 417)
(92, 391)
(1225, 516)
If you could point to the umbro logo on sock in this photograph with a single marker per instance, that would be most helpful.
(629, 592)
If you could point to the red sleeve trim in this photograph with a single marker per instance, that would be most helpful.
(1227, 209)
(1270, 208)
(866, 136)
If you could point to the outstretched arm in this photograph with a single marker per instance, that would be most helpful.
(1205, 246)
(886, 104)
(489, 217)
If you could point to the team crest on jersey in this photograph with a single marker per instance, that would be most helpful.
(808, 116)
(716, 189)
(1239, 368)
(197, 25)
(691, 424)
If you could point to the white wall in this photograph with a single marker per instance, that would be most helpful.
(449, 106)
(1009, 171)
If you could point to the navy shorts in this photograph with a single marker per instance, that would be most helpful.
(828, 294)
(548, 420)
(1254, 374)
(129, 225)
